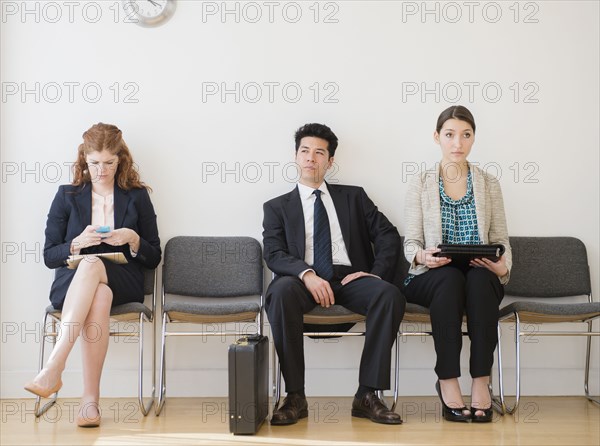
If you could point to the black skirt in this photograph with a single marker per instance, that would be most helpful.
(126, 282)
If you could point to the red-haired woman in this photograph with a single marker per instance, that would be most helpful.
(106, 191)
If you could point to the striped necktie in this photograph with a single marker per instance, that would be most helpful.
(323, 264)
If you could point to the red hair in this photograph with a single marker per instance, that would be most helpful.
(107, 137)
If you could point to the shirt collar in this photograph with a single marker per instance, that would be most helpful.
(109, 198)
(306, 191)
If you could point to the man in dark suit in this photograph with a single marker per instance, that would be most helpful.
(329, 244)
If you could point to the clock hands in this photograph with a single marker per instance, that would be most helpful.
(149, 13)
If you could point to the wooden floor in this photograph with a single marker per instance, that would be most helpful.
(203, 421)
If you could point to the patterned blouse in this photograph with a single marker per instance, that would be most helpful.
(459, 219)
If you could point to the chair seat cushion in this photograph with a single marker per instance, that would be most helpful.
(530, 311)
(130, 311)
(126, 312)
(51, 310)
(336, 314)
(420, 314)
(416, 313)
(211, 309)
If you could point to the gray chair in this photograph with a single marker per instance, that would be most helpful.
(548, 268)
(130, 313)
(209, 280)
(334, 315)
(416, 316)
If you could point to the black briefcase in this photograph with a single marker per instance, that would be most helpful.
(248, 384)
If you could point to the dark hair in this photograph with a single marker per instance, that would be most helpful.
(107, 137)
(455, 112)
(317, 131)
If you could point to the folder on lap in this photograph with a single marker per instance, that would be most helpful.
(467, 252)
(117, 257)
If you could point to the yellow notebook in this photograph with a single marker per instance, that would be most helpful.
(117, 257)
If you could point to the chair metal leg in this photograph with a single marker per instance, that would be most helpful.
(277, 377)
(41, 411)
(495, 405)
(276, 380)
(498, 402)
(587, 367)
(396, 371)
(259, 318)
(144, 408)
(512, 410)
(162, 386)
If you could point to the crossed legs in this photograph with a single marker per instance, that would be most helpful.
(85, 312)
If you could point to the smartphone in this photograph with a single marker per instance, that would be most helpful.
(103, 230)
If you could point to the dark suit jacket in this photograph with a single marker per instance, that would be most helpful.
(373, 243)
(71, 212)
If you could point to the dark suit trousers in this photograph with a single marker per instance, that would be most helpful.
(288, 299)
(449, 292)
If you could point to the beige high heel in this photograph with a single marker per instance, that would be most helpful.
(44, 392)
(84, 421)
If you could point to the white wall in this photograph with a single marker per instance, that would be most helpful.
(531, 81)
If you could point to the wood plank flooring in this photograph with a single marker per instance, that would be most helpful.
(204, 421)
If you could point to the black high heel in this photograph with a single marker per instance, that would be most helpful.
(450, 413)
(485, 418)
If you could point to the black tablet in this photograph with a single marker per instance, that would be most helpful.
(468, 252)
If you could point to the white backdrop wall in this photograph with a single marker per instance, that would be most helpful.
(208, 104)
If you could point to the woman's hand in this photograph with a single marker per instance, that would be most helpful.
(498, 268)
(426, 257)
(123, 236)
(89, 237)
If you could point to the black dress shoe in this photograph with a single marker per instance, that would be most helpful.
(371, 407)
(450, 413)
(485, 418)
(294, 407)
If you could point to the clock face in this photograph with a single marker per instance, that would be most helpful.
(149, 12)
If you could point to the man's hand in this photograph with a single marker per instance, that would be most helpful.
(319, 288)
(350, 277)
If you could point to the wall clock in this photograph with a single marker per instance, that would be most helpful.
(149, 13)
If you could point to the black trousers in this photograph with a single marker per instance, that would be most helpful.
(287, 300)
(449, 292)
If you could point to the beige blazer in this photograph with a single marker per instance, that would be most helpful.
(424, 221)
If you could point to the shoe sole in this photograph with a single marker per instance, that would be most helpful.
(88, 424)
(466, 419)
(481, 418)
(476, 420)
(360, 414)
(40, 391)
(302, 414)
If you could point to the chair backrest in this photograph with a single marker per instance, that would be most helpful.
(548, 267)
(542, 267)
(213, 266)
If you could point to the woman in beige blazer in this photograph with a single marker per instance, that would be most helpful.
(458, 203)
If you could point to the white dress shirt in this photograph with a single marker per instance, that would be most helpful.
(339, 253)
